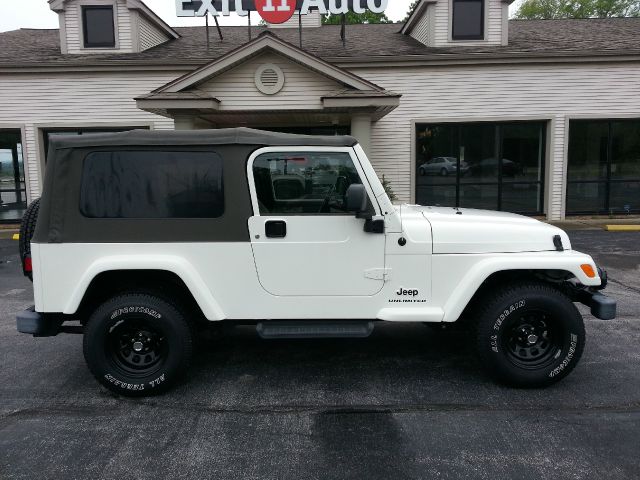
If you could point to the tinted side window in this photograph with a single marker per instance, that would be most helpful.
(312, 183)
(152, 184)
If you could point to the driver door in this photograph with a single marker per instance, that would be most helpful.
(304, 241)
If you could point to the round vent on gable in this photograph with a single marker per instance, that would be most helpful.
(269, 79)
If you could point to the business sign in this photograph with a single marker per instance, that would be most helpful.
(276, 11)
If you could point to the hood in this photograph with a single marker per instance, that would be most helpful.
(467, 230)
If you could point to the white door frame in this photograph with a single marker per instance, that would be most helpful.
(349, 150)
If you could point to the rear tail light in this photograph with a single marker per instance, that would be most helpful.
(28, 265)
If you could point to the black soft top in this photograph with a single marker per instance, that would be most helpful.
(60, 220)
(223, 136)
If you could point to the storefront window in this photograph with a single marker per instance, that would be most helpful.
(496, 166)
(13, 192)
(603, 167)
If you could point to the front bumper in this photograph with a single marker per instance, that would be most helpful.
(601, 306)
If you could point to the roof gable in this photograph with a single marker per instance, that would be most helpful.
(238, 88)
(268, 42)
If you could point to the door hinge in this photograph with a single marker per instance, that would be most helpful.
(378, 274)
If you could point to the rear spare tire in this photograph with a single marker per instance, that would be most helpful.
(137, 344)
(27, 228)
(529, 335)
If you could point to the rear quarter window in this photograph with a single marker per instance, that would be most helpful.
(152, 184)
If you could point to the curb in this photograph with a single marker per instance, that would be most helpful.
(622, 228)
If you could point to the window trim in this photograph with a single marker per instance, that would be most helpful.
(98, 4)
(464, 38)
(354, 158)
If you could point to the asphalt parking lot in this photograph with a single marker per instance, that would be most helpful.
(409, 402)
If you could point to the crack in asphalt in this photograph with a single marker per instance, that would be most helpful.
(101, 410)
(617, 282)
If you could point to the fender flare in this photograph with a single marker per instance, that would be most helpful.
(478, 273)
(169, 263)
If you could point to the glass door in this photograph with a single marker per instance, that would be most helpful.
(13, 192)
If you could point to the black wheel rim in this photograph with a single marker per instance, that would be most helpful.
(136, 347)
(533, 340)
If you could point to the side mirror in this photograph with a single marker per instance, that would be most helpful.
(357, 200)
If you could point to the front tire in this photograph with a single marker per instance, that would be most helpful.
(137, 344)
(529, 335)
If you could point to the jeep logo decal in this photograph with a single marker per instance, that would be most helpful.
(403, 292)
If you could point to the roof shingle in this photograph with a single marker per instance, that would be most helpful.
(527, 38)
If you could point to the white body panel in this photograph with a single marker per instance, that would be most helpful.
(424, 268)
(320, 256)
(482, 231)
(223, 280)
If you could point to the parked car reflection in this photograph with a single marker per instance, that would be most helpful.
(442, 166)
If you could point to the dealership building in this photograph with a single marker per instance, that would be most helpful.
(458, 106)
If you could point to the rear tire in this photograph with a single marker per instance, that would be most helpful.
(529, 335)
(138, 344)
(27, 228)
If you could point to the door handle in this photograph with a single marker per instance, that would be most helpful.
(275, 229)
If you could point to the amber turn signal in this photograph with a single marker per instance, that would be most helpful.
(588, 270)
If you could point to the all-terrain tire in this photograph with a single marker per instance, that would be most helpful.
(529, 335)
(27, 228)
(138, 344)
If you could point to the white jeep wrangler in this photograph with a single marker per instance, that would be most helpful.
(142, 238)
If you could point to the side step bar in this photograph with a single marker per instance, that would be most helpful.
(314, 329)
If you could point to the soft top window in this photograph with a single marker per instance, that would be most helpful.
(152, 184)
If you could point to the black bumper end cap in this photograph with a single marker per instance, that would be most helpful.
(34, 323)
(603, 307)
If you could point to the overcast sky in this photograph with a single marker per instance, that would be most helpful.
(16, 14)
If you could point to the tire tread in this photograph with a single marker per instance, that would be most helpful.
(504, 295)
(175, 312)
